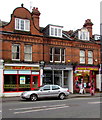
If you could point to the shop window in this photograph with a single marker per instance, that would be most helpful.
(24, 82)
(65, 78)
(90, 57)
(28, 53)
(48, 78)
(82, 56)
(15, 52)
(10, 83)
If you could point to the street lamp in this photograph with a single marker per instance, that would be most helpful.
(41, 64)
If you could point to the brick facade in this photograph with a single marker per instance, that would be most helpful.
(41, 44)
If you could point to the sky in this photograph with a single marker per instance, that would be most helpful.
(71, 14)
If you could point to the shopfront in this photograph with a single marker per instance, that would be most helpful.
(61, 75)
(21, 78)
(85, 76)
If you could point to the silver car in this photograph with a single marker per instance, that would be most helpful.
(45, 92)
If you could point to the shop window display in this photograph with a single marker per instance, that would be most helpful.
(10, 83)
(82, 78)
(24, 82)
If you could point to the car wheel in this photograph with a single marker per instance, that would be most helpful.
(33, 97)
(61, 96)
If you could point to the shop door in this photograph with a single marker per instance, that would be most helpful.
(35, 82)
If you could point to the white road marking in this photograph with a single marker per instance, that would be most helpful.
(94, 102)
(38, 107)
(41, 110)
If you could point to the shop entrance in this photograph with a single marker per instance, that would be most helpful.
(35, 82)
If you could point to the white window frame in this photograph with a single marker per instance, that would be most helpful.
(53, 55)
(18, 24)
(25, 52)
(15, 52)
(82, 56)
(90, 57)
(83, 35)
(54, 31)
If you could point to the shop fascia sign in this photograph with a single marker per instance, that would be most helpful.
(87, 68)
(21, 68)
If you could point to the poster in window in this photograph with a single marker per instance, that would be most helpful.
(22, 80)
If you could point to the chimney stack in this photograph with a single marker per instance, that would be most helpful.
(35, 15)
(88, 24)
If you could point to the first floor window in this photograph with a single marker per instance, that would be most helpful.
(15, 52)
(82, 56)
(90, 57)
(57, 54)
(28, 53)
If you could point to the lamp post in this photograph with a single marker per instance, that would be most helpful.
(42, 64)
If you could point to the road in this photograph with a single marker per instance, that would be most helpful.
(53, 108)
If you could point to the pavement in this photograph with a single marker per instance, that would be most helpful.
(5, 99)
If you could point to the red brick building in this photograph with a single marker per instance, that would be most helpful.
(34, 56)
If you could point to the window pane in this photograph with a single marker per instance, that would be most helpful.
(51, 54)
(10, 83)
(27, 25)
(28, 56)
(17, 24)
(28, 52)
(52, 31)
(82, 53)
(57, 50)
(28, 48)
(59, 32)
(82, 60)
(24, 82)
(22, 24)
(55, 31)
(46, 88)
(15, 51)
(56, 57)
(90, 54)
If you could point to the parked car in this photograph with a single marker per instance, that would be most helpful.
(45, 92)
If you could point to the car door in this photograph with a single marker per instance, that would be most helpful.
(45, 91)
(55, 91)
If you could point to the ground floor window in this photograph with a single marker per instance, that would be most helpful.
(86, 78)
(58, 77)
(10, 83)
(21, 82)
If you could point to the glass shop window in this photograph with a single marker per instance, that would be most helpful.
(10, 83)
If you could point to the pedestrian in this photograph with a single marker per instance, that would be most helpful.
(84, 88)
(92, 90)
(81, 88)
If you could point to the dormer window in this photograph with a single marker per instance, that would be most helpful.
(55, 31)
(22, 24)
(83, 34)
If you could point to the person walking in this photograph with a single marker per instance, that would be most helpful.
(92, 90)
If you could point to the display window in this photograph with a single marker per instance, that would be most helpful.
(10, 83)
(21, 82)
(24, 82)
(82, 77)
